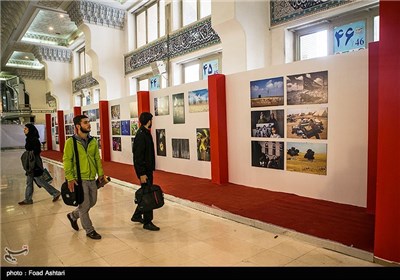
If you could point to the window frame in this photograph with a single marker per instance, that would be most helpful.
(366, 14)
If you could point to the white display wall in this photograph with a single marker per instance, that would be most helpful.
(346, 174)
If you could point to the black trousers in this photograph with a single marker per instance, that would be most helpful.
(148, 215)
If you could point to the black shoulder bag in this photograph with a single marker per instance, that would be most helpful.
(73, 198)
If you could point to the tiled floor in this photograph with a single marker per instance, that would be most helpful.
(188, 237)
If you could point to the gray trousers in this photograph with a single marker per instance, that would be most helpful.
(89, 200)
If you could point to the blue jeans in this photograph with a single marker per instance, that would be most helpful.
(40, 182)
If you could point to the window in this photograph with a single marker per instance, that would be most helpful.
(143, 83)
(195, 10)
(344, 33)
(82, 61)
(150, 23)
(191, 72)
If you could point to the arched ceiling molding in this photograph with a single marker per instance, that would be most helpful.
(96, 13)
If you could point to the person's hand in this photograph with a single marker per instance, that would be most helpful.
(143, 179)
(102, 179)
(71, 185)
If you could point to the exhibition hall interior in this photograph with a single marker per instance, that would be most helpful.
(270, 129)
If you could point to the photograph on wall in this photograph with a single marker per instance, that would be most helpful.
(133, 110)
(210, 68)
(69, 118)
(86, 113)
(56, 120)
(132, 140)
(161, 142)
(116, 128)
(161, 106)
(56, 139)
(125, 128)
(115, 112)
(203, 144)
(178, 108)
(267, 154)
(97, 114)
(267, 123)
(307, 123)
(116, 143)
(98, 128)
(180, 148)
(267, 92)
(198, 101)
(69, 129)
(309, 88)
(52, 121)
(306, 157)
(56, 130)
(98, 141)
(92, 115)
(134, 127)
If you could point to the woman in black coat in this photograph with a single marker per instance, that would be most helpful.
(32, 143)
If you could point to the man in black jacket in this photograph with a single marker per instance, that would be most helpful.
(144, 163)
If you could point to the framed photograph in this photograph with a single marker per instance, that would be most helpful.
(161, 106)
(161, 142)
(307, 123)
(267, 123)
(267, 154)
(115, 112)
(198, 101)
(267, 92)
(133, 110)
(178, 108)
(125, 128)
(308, 88)
(306, 158)
(134, 127)
(180, 148)
(116, 127)
(116, 143)
(203, 144)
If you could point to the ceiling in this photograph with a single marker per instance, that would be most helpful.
(26, 24)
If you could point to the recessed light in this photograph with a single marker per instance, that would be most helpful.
(51, 28)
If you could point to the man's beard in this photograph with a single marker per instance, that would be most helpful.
(84, 130)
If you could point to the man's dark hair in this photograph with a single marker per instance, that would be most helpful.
(78, 119)
(145, 117)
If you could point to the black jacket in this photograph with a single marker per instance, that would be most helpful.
(33, 144)
(143, 152)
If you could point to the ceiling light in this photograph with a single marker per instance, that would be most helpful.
(51, 28)
(61, 16)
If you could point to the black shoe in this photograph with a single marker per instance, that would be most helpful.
(74, 224)
(151, 226)
(23, 202)
(137, 220)
(94, 235)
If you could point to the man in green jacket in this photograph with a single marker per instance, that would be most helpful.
(90, 166)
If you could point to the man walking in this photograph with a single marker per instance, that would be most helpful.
(90, 165)
(144, 164)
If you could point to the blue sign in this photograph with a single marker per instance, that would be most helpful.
(155, 82)
(349, 37)
(210, 68)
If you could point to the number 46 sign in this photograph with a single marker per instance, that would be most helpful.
(349, 37)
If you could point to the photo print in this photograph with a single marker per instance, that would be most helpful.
(161, 142)
(125, 128)
(306, 157)
(267, 154)
(161, 106)
(198, 101)
(180, 148)
(309, 88)
(267, 92)
(116, 128)
(178, 108)
(307, 123)
(133, 110)
(134, 127)
(116, 143)
(203, 144)
(267, 123)
(98, 128)
(115, 112)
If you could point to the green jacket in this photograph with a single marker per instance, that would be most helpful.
(89, 159)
